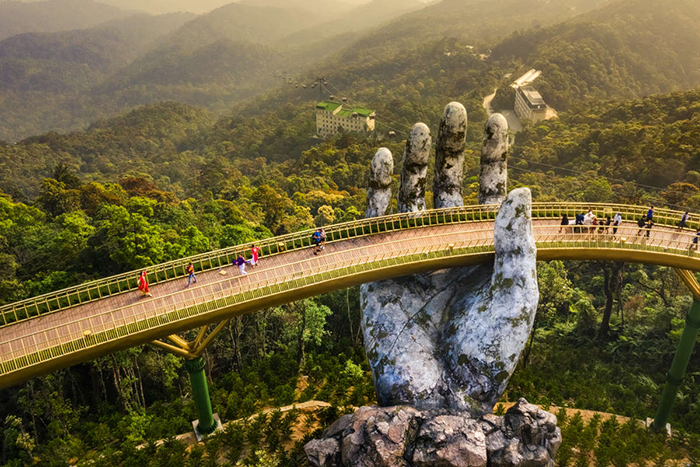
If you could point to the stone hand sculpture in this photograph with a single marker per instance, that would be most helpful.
(451, 339)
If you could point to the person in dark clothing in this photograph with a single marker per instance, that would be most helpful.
(240, 262)
(579, 221)
(650, 213)
(317, 238)
(684, 221)
(641, 223)
(617, 221)
(648, 226)
(564, 223)
(694, 245)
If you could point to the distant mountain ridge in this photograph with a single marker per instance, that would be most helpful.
(54, 15)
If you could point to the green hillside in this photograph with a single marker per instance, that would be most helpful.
(653, 141)
(75, 60)
(54, 15)
(477, 22)
(629, 49)
(46, 79)
(243, 71)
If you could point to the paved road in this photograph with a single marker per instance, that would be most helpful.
(514, 124)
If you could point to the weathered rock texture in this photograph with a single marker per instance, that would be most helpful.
(415, 169)
(403, 437)
(379, 192)
(451, 339)
(493, 180)
(449, 157)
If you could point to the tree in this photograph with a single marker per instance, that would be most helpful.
(56, 199)
(325, 216)
(612, 273)
(274, 205)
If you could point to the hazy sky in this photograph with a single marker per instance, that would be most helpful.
(201, 6)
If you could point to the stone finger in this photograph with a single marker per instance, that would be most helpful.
(449, 157)
(380, 178)
(415, 169)
(493, 180)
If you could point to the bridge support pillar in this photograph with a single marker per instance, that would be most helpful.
(207, 422)
(675, 375)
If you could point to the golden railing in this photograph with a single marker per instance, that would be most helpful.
(144, 321)
(99, 289)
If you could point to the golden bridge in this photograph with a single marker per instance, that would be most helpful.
(53, 331)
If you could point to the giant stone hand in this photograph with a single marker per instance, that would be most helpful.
(451, 339)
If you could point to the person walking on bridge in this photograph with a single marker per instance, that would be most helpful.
(256, 253)
(143, 284)
(240, 262)
(189, 269)
(694, 245)
(648, 226)
(316, 239)
(564, 223)
(684, 221)
(617, 221)
(641, 223)
(650, 213)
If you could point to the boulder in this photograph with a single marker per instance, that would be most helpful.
(402, 436)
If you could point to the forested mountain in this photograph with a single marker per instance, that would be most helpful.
(76, 60)
(54, 15)
(46, 79)
(628, 49)
(477, 22)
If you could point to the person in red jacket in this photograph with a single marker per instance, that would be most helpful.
(143, 284)
(256, 253)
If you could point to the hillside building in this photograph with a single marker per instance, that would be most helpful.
(333, 117)
(529, 105)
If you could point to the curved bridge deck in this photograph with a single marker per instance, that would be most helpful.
(56, 330)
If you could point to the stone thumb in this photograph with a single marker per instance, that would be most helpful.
(489, 341)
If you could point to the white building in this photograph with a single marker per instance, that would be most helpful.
(529, 105)
(333, 117)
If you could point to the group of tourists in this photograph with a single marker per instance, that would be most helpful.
(240, 261)
(318, 240)
(589, 223)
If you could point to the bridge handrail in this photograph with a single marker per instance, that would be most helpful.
(171, 270)
(120, 327)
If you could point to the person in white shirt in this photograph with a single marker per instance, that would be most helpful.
(617, 221)
(589, 218)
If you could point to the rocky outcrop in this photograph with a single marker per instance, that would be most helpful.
(404, 437)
